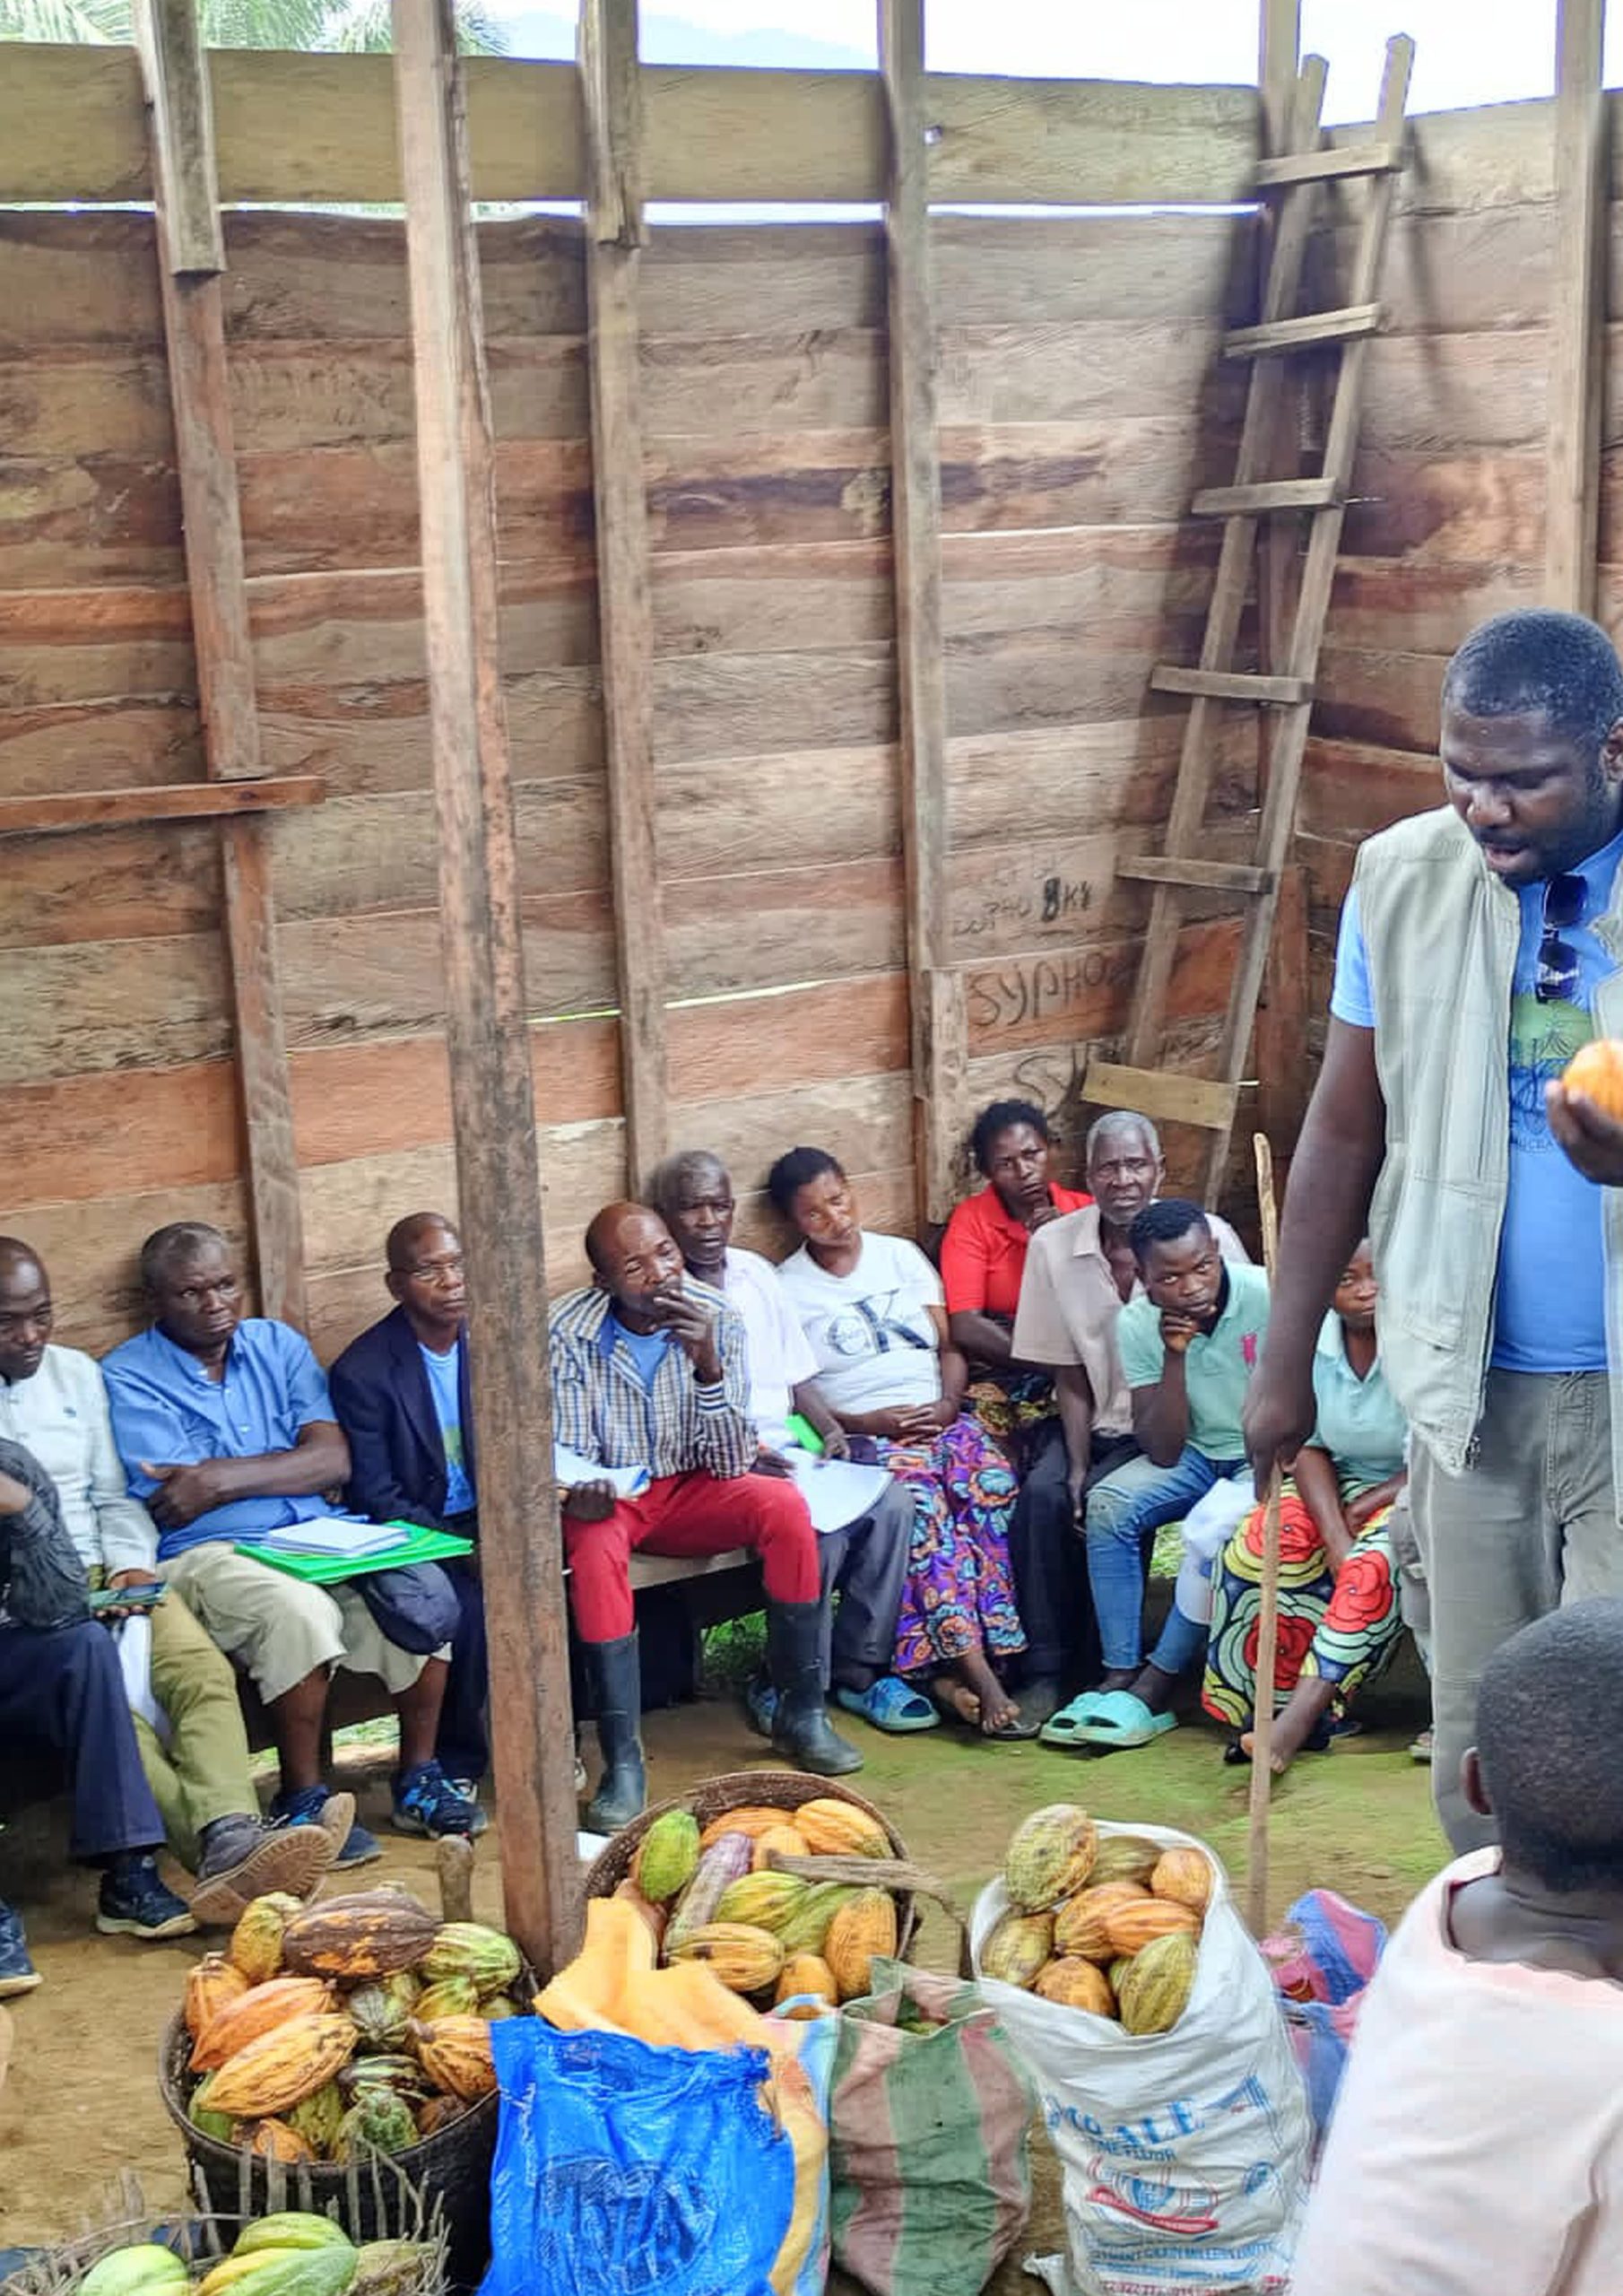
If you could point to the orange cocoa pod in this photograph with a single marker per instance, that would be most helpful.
(1133, 1926)
(1081, 1925)
(1077, 1984)
(1184, 1875)
(274, 2140)
(259, 2011)
(210, 1984)
(282, 2067)
(807, 1973)
(1596, 1070)
(754, 1819)
(454, 2052)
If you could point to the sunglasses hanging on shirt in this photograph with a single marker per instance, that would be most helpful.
(1557, 975)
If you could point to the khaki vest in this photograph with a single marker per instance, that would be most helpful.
(1442, 934)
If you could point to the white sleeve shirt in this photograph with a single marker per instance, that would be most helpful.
(779, 1353)
(61, 1416)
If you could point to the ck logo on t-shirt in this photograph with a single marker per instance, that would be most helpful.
(873, 1328)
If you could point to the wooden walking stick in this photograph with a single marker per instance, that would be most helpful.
(1268, 1609)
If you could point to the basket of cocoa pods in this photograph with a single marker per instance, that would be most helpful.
(785, 1886)
(333, 2036)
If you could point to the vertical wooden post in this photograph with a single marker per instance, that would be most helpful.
(616, 234)
(1278, 61)
(492, 1105)
(1577, 311)
(940, 1054)
(191, 258)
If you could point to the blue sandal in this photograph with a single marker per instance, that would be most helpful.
(1117, 1718)
(888, 1704)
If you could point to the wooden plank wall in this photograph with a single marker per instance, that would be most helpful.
(1447, 525)
(1080, 405)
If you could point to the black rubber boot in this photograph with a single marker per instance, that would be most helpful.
(800, 1728)
(614, 1679)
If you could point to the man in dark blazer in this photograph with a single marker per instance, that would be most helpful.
(401, 1393)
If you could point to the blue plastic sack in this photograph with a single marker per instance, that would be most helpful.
(632, 2172)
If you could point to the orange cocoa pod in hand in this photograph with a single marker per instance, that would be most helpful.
(1596, 1070)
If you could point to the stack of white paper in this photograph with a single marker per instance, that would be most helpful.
(337, 1538)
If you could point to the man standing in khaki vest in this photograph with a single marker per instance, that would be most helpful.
(1480, 944)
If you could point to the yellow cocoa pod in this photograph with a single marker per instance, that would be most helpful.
(1125, 1858)
(788, 1841)
(754, 1819)
(1117, 1971)
(283, 2066)
(1018, 1947)
(1184, 1875)
(762, 1900)
(1076, 1984)
(1132, 1927)
(1081, 1925)
(859, 1932)
(1155, 1984)
(807, 1973)
(835, 1829)
(255, 1946)
(745, 1958)
(1051, 1857)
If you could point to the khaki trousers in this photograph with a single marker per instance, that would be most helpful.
(203, 1772)
(1530, 1524)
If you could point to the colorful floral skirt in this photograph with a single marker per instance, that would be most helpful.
(1343, 1626)
(959, 1594)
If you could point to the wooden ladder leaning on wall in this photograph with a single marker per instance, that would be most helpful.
(1209, 1102)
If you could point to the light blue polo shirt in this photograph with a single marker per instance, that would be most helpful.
(166, 1411)
(1217, 1366)
(1359, 1422)
(1549, 1301)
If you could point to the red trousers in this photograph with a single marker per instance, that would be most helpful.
(689, 1514)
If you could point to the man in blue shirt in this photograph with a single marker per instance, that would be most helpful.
(1501, 911)
(226, 1430)
(402, 1395)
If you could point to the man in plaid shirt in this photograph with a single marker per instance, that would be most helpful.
(650, 1370)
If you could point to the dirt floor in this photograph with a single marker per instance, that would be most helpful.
(82, 2100)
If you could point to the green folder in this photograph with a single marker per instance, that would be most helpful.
(326, 1570)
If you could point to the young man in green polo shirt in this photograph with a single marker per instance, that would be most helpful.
(1188, 1345)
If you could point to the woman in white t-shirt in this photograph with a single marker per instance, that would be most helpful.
(872, 1308)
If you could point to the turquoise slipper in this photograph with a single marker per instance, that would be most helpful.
(1117, 1718)
(1065, 1727)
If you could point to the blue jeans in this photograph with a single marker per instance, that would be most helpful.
(1122, 1512)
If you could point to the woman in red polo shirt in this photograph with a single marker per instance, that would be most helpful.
(983, 1259)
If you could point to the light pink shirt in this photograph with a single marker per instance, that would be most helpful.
(1476, 2148)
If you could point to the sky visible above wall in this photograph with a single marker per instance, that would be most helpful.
(1469, 51)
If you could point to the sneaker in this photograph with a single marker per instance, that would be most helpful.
(17, 1972)
(427, 1802)
(335, 1814)
(468, 1787)
(243, 1859)
(134, 1903)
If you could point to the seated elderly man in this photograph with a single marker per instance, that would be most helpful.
(62, 1690)
(1079, 1271)
(650, 1372)
(53, 1402)
(864, 1559)
(227, 1431)
(401, 1394)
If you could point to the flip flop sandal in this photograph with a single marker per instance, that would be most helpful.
(888, 1704)
(1065, 1727)
(1120, 1719)
(1018, 1729)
